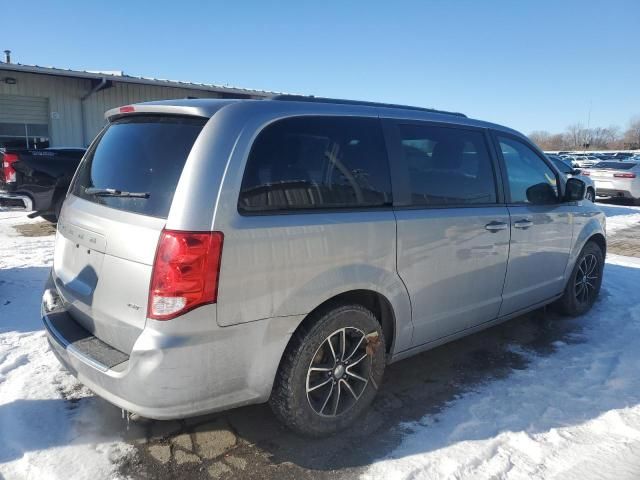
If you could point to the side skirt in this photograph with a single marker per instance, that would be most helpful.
(468, 331)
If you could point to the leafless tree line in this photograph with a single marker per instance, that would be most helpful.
(577, 137)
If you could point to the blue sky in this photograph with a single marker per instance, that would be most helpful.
(527, 64)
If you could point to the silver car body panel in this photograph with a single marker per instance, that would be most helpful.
(538, 254)
(102, 268)
(441, 271)
(453, 267)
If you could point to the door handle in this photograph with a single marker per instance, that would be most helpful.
(523, 224)
(496, 226)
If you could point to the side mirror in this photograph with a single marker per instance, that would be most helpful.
(541, 194)
(574, 190)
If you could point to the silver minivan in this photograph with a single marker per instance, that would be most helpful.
(218, 253)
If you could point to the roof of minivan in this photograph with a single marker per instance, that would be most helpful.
(207, 107)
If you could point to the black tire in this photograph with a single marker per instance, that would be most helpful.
(575, 301)
(590, 195)
(299, 409)
(50, 218)
(55, 211)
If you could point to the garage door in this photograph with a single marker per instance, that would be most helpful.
(24, 121)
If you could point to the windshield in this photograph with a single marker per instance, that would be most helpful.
(136, 164)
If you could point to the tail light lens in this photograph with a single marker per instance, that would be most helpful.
(8, 171)
(185, 273)
(586, 173)
(624, 175)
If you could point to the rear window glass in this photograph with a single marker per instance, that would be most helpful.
(142, 154)
(615, 165)
(317, 163)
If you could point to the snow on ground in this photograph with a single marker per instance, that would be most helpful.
(50, 426)
(574, 415)
(620, 216)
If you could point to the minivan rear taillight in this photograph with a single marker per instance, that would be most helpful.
(185, 273)
(8, 171)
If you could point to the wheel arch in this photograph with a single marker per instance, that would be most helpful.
(374, 301)
(591, 231)
(599, 239)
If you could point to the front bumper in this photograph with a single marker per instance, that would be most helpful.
(14, 201)
(170, 374)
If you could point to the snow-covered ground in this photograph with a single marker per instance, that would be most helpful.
(620, 216)
(574, 414)
(50, 426)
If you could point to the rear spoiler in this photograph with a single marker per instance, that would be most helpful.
(166, 109)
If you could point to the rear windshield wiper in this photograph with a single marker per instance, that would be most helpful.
(112, 192)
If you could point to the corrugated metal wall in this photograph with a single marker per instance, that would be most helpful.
(127, 93)
(21, 109)
(64, 94)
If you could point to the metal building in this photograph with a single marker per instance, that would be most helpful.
(44, 106)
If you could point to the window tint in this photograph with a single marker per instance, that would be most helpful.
(139, 154)
(317, 162)
(447, 166)
(561, 165)
(530, 178)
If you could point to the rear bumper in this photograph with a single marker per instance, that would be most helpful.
(172, 375)
(612, 192)
(14, 201)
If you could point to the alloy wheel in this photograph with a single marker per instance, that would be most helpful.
(586, 279)
(339, 372)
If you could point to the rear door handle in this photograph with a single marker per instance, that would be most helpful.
(523, 224)
(496, 226)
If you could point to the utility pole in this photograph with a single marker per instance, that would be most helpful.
(585, 145)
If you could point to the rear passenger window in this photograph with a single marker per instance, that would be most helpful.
(315, 163)
(447, 166)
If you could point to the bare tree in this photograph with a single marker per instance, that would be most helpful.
(574, 134)
(541, 138)
(556, 142)
(632, 134)
(576, 137)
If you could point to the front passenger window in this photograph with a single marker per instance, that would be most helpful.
(531, 180)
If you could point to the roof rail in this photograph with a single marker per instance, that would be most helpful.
(339, 101)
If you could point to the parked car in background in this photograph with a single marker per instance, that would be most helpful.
(37, 180)
(616, 179)
(586, 161)
(286, 250)
(571, 159)
(569, 171)
(621, 155)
